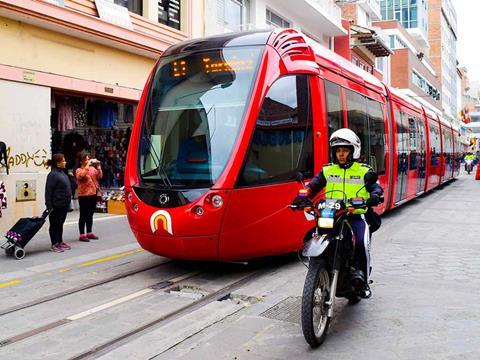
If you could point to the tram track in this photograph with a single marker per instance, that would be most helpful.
(78, 289)
(165, 319)
(166, 285)
(172, 281)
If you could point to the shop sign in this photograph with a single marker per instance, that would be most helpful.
(169, 13)
(114, 13)
(29, 76)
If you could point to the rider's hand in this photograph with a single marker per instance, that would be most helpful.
(373, 200)
(301, 200)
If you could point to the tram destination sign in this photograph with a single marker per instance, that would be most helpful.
(169, 13)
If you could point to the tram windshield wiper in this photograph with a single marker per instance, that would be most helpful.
(160, 168)
(156, 157)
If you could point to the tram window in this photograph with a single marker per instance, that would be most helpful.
(282, 144)
(334, 107)
(412, 132)
(421, 145)
(434, 144)
(358, 121)
(402, 150)
(376, 125)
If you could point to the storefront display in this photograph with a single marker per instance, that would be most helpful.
(102, 128)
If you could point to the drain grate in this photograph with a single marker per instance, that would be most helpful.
(288, 310)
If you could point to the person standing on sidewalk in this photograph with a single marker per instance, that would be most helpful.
(87, 176)
(58, 195)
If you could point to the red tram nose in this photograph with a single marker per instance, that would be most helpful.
(174, 224)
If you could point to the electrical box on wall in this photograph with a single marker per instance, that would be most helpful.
(26, 190)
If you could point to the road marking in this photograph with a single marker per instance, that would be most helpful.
(64, 270)
(109, 305)
(97, 219)
(108, 258)
(10, 283)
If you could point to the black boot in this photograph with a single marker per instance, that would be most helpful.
(357, 278)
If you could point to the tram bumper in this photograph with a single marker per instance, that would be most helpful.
(180, 247)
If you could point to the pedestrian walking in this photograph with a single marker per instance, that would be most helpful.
(58, 194)
(87, 175)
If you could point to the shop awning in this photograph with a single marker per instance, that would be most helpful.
(371, 39)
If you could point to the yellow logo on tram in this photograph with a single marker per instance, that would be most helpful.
(161, 219)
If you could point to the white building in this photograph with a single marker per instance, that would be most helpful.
(319, 19)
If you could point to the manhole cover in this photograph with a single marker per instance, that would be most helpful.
(288, 310)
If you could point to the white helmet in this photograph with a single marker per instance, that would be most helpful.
(346, 137)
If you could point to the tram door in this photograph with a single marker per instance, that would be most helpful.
(421, 148)
(281, 147)
(402, 156)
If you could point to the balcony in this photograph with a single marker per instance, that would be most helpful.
(371, 7)
(317, 16)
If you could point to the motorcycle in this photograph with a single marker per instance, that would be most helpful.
(332, 267)
(468, 165)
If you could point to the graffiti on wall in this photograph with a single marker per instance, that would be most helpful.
(37, 158)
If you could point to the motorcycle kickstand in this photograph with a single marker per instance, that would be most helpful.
(331, 301)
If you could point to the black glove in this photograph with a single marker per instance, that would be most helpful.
(301, 201)
(373, 200)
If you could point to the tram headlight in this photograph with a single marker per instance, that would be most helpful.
(135, 207)
(217, 201)
(130, 196)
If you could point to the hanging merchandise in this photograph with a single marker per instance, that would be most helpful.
(3, 197)
(103, 128)
(3, 155)
(64, 106)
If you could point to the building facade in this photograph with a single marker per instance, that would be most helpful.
(411, 71)
(71, 74)
(412, 15)
(442, 36)
(365, 45)
(318, 19)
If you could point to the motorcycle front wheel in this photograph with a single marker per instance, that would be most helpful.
(316, 292)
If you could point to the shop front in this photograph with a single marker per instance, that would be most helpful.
(101, 127)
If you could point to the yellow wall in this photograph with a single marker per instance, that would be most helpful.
(38, 49)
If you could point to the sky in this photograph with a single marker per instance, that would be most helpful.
(468, 53)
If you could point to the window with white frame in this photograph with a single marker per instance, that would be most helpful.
(233, 14)
(275, 20)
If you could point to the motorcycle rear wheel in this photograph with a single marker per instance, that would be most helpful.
(316, 292)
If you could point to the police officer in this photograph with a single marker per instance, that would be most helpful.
(351, 179)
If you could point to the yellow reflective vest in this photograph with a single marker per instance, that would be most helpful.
(346, 183)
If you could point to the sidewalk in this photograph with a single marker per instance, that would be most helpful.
(38, 252)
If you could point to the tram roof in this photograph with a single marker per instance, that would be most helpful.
(338, 64)
(219, 41)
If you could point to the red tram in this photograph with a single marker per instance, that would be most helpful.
(225, 123)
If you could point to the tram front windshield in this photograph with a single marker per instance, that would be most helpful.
(193, 115)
